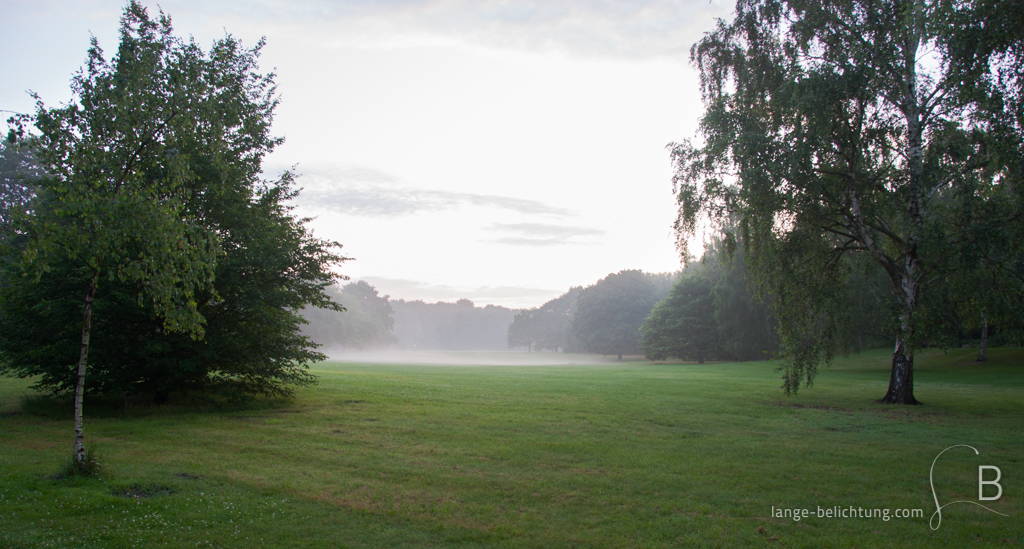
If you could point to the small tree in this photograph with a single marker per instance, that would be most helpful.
(121, 167)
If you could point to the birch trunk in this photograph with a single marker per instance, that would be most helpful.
(82, 359)
(901, 377)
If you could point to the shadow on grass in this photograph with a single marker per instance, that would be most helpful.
(62, 407)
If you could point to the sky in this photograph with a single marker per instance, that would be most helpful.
(498, 151)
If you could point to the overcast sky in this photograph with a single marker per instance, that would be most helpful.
(498, 151)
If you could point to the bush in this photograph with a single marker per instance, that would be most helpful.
(72, 468)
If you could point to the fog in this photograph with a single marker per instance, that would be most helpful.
(468, 358)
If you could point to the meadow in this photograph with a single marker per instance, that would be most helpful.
(608, 454)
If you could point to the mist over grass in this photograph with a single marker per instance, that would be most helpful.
(468, 358)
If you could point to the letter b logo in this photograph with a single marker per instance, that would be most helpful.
(982, 482)
(936, 519)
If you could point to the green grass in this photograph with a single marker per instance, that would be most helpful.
(599, 455)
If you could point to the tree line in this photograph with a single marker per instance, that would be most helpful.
(373, 321)
(704, 312)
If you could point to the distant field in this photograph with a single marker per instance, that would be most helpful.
(589, 455)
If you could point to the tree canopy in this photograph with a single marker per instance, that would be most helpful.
(683, 324)
(609, 313)
(19, 171)
(836, 130)
(711, 313)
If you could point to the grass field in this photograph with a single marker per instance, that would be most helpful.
(596, 455)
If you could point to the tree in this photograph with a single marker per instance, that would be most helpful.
(128, 166)
(524, 330)
(609, 313)
(366, 323)
(711, 312)
(828, 135)
(683, 324)
(546, 327)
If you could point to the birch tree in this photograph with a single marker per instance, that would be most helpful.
(119, 173)
(833, 128)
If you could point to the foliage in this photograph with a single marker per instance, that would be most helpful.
(984, 41)
(271, 267)
(609, 313)
(155, 182)
(711, 312)
(118, 170)
(746, 326)
(828, 137)
(19, 170)
(683, 324)
(365, 323)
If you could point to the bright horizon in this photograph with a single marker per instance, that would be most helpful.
(473, 150)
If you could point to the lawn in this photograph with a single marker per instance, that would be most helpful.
(627, 454)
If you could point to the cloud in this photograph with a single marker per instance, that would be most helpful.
(516, 297)
(373, 193)
(541, 234)
(633, 28)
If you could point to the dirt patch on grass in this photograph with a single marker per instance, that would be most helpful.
(903, 414)
(140, 491)
(845, 428)
(188, 476)
(805, 406)
(887, 411)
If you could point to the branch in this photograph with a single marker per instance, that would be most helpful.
(134, 156)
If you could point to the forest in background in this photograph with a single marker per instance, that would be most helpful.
(706, 311)
(373, 321)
